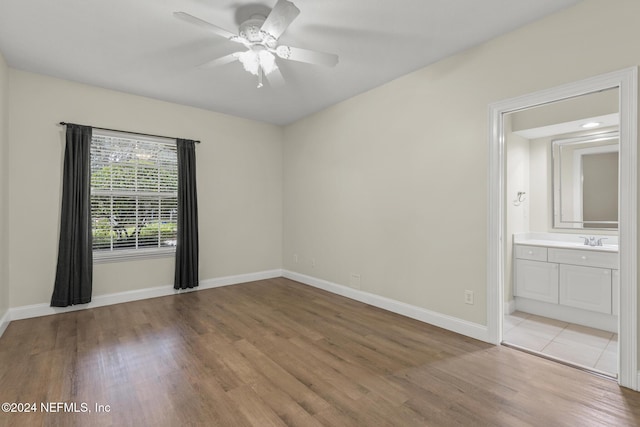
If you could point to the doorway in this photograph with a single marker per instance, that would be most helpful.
(562, 174)
(624, 83)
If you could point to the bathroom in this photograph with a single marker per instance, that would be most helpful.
(561, 284)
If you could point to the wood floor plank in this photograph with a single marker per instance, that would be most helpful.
(254, 408)
(279, 353)
(357, 373)
(277, 375)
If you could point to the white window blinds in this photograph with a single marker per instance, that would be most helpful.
(134, 184)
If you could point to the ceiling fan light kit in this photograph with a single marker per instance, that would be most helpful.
(260, 34)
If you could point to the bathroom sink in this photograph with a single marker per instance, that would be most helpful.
(568, 245)
(567, 241)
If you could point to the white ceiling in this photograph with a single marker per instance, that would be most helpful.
(139, 47)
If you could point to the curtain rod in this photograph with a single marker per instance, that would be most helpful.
(125, 131)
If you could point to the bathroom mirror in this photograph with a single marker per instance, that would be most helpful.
(585, 181)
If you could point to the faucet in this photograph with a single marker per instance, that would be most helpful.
(591, 241)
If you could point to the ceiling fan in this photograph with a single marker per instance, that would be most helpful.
(260, 34)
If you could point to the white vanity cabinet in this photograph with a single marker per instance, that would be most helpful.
(588, 288)
(535, 277)
(585, 279)
(537, 280)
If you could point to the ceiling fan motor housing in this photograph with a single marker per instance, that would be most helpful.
(251, 30)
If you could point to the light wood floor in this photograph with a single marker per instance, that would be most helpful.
(276, 353)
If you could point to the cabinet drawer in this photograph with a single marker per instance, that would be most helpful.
(584, 257)
(534, 253)
(586, 287)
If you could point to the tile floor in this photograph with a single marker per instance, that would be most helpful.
(579, 345)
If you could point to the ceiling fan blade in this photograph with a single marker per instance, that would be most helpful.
(306, 55)
(282, 15)
(206, 25)
(220, 61)
(275, 78)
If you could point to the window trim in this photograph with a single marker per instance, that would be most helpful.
(120, 255)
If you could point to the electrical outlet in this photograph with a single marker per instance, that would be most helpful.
(468, 297)
(295, 258)
(355, 281)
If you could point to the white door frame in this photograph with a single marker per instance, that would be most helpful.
(626, 82)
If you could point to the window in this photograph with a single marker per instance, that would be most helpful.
(134, 192)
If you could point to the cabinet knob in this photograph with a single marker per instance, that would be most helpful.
(530, 252)
(583, 257)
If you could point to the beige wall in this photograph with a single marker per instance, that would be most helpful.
(4, 113)
(541, 176)
(392, 184)
(239, 166)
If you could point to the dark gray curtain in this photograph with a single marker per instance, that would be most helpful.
(187, 246)
(74, 273)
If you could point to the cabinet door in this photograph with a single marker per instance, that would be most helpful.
(537, 280)
(588, 288)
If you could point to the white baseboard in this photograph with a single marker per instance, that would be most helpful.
(36, 310)
(4, 321)
(470, 329)
(240, 278)
(592, 319)
(510, 307)
(463, 327)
